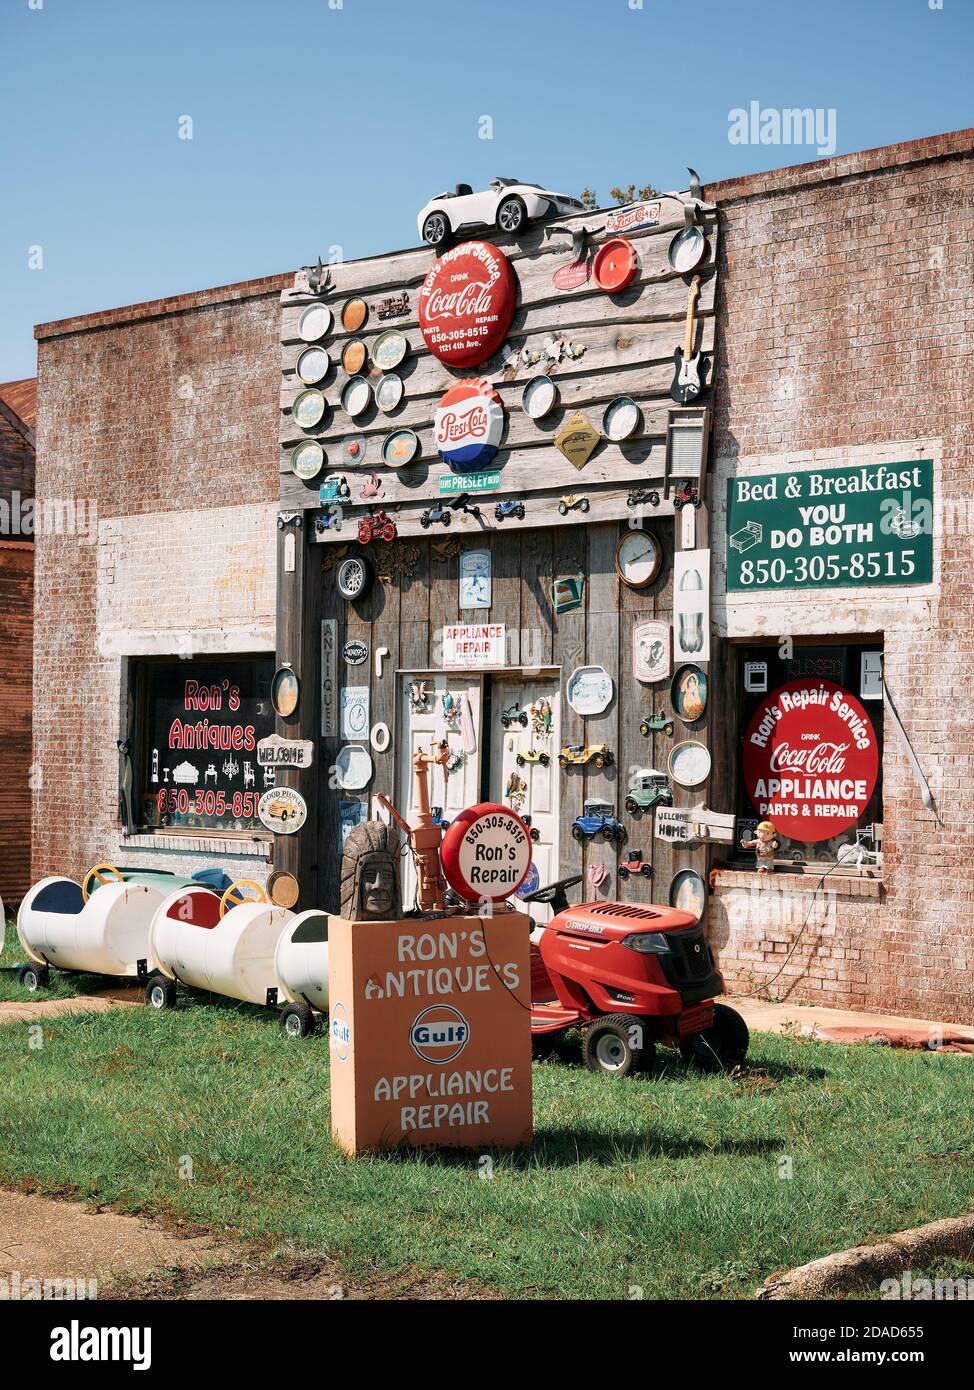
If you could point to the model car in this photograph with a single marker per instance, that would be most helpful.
(330, 519)
(641, 497)
(514, 714)
(506, 205)
(535, 832)
(598, 818)
(571, 503)
(635, 864)
(377, 527)
(509, 508)
(648, 788)
(435, 513)
(686, 497)
(334, 489)
(436, 815)
(533, 755)
(656, 724)
(577, 753)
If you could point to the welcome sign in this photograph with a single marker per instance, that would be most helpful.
(831, 528)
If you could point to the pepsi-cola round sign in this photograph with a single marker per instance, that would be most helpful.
(810, 760)
(486, 853)
(468, 425)
(466, 304)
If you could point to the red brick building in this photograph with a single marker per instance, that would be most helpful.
(843, 341)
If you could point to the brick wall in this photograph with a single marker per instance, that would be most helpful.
(16, 625)
(846, 300)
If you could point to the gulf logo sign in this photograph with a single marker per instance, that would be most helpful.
(439, 1034)
(341, 1032)
(468, 425)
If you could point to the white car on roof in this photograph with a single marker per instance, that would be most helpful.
(506, 205)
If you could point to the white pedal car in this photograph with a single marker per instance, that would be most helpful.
(506, 205)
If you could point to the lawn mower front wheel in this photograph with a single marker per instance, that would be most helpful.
(617, 1045)
(722, 1046)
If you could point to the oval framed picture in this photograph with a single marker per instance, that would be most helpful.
(687, 250)
(539, 397)
(353, 451)
(285, 692)
(639, 558)
(688, 693)
(688, 893)
(313, 365)
(308, 409)
(354, 355)
(400, 448)
(389, 392)
(314, 323)
(622, 419)
(389, 349)
(354, 314)
(307, 459)
(689, 763)
(356, 397)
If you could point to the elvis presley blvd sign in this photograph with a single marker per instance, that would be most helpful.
(831, 528)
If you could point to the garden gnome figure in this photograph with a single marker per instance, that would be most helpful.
(765, 846)
(370, 874)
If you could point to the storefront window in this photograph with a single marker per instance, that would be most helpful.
(811, 751)
(195, 751)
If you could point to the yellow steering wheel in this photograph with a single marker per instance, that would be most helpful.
(97, 872)
(233, 897)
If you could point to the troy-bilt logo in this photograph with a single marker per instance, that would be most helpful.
(439, 1034)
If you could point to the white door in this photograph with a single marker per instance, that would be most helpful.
(451, 710)
(524, 765)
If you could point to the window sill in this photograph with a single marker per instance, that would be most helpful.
(843, 885)
(200, 842)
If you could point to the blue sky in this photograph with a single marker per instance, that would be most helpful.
(317, 126)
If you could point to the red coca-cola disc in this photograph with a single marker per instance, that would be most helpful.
(810, 760)
(615, 264)
(466, 304)
(486, 853)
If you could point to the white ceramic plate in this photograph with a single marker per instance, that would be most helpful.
(589, 689)
(690, 764)
(353, 767)
(314, 323)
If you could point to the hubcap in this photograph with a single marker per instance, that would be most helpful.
(158, 996)
(31, 981)
(510, 217)
(610, 1052)
(292, 1026)
(436, 228)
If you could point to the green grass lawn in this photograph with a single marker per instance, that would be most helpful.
(671, 1184)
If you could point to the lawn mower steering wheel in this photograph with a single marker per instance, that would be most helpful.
(552, 891)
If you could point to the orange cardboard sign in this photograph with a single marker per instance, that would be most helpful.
(430, 1032)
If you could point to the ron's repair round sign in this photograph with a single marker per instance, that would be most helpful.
(810, 760)
(486, 853)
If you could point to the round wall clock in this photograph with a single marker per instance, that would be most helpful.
(688, 693)
(687, 250)
(689, 764)
(615, 265)
(284, 691)
(539, 397)
(307, 459)
(309, 408)
(356, 397)
(313, 365)
(639, 558)
(354, 354)
(400, 448)
(354, 314)
(389, 349)
(388, 392)
(314, 323)
(621, 418)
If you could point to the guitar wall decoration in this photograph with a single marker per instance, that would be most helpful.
(690, 367)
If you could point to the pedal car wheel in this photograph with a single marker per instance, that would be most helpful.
(562, 760)
(33, 977)
(519, 760)
(617, 1045)
(721, 1046)
(631, 806)
(647, 871)
(578, 833)
(583, 506)
(607, 832)
(563, 510)
(544, 760)
(599, 760)
(160, 992)
(644, 729)
(297, 1021)
(623, 871)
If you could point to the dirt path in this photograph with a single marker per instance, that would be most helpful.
(17, 1011)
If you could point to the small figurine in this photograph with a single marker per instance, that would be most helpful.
(451, 707)
(418, 697)
(541, 717)
(370, 874)
(765, 846)
(516, 791)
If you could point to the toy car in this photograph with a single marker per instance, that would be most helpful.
(533, 755)
(506, 205)
(509, 508)
(436, 814)
(648, 788)
(598, 818)
(641, 497)
(334, 489)
(635, 864)
(656, 724)
(571, 503)
(330, 518)
(435, 513)
(377, 527)
(514, 714)
(686, 497)
(652, 979)
(535, 832)
(576, 753)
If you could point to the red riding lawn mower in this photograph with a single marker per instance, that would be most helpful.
(629, 976)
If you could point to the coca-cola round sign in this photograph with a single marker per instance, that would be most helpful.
(810, 760)
(468, 425)
(466, 304)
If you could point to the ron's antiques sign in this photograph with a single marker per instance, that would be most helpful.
(831, 528)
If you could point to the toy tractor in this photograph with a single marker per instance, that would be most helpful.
(647, 977)
(577, 754)
(656, 724)
(635, 865)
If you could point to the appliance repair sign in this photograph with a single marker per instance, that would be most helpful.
(831, 528)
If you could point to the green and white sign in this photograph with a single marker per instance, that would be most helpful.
(831, 528)
(469, 482)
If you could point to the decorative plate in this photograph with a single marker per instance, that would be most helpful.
(353, 450)
(539, 397)
(589, 690)
(687, 250)
(688, 892)
(688, 693)
(689, 764)
(356, 397)
(353, 767)
(313, 365)
(354, 354)
(615, 265)
(308, 409)
(314, 323)
(400, 448)
(389, 349)
(621, 419)
(307, 459)
(388, 392)
(354, 314)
